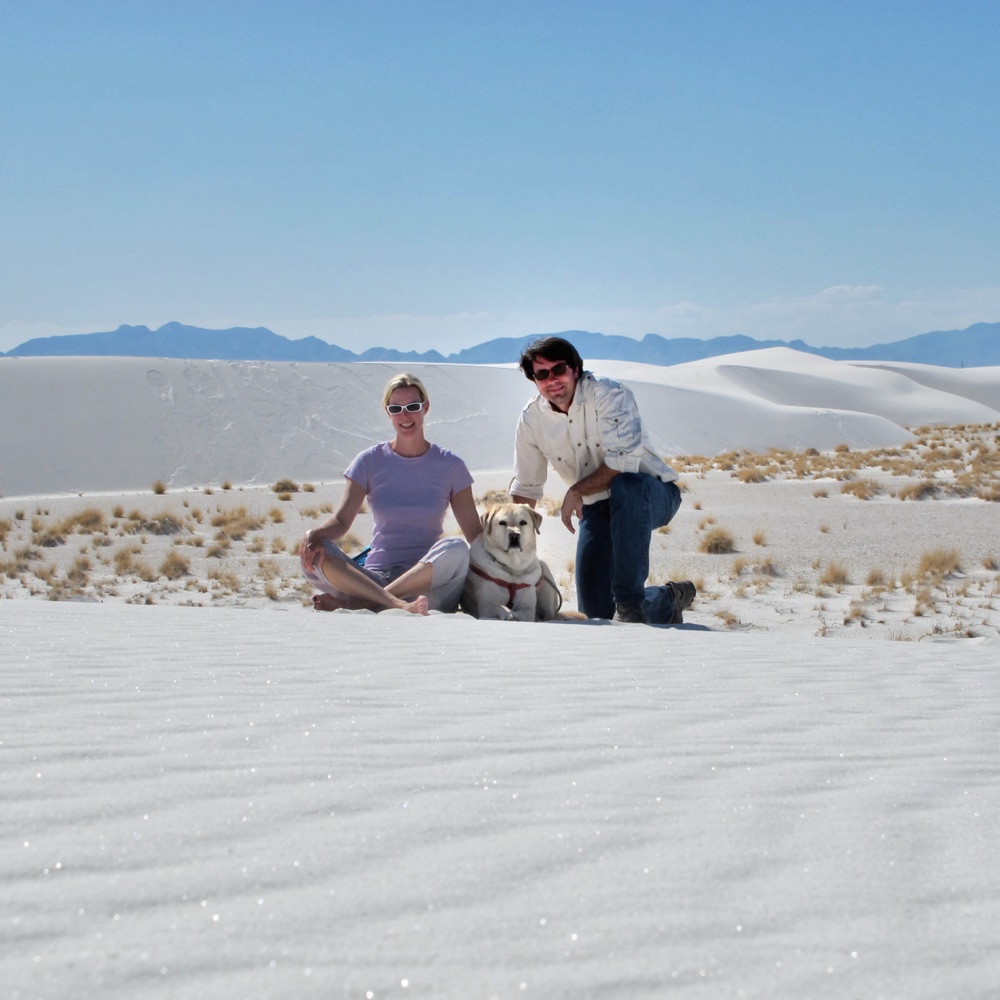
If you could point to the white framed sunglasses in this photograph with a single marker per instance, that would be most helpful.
(408, 407)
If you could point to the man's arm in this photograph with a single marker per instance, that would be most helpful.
(596, 482)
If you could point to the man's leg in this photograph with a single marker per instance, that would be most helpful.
(639, 504)
(594, 561)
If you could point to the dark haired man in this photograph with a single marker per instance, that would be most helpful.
(589, 429)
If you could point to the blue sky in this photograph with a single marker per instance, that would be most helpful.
(431, 173)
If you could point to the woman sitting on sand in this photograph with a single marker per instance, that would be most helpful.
(409, 483)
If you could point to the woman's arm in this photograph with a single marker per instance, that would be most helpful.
(464, 509)
(338, 523)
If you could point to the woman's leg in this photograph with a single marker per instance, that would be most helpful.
(345, 585)
(440, 575)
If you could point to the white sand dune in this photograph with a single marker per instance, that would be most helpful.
(249, 799)
(98, 424)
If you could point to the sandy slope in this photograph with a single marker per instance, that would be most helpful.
(103, 424)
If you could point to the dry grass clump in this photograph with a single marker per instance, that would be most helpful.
(752, 474)
(162, 524)
(285, 486)
(953, 461)
(124, 560)
(863, 489)
(918, 491)
(939, 563)
(717, 541)
(491, 497)
(233, 525)
(174, 566)
(835, 575)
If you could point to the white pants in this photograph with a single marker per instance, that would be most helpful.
(449, 562)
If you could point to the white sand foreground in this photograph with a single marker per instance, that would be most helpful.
(254, 803)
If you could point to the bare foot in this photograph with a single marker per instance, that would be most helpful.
(327, 602)
(418, 606)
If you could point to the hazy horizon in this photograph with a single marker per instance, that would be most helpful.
(392, 174)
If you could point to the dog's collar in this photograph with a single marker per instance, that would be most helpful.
(512, 587)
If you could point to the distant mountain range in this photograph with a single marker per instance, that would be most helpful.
(976, 346)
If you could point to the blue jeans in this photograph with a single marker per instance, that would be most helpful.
(612, 549)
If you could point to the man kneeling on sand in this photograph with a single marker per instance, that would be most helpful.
(590, 430)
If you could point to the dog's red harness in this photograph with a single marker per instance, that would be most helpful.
(510, 586)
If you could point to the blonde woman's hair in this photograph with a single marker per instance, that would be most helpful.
(401, 381)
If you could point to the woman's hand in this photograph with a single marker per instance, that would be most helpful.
(312, 541)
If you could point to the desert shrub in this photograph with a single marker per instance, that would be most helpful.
(939, 563)
(760, 537)
(491, 497)
(234, 524)
(989, 492)
(285, 486)
(86, 521)
(751, 474)
(124, 559)
(835, 575)
(174, 566)
(269, 569)
(917, 491)
(163, 524)
(48, 536)
(226, 578)
(863, 489)
(145, 572)
(717, 541)
(159, 487)
(78, 571)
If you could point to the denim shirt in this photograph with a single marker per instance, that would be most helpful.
(602, 426)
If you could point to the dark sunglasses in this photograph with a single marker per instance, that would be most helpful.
(544, 374)
(409, 407)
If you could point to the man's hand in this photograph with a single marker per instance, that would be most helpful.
(572, 504)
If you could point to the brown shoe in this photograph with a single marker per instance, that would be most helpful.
(684, 593)
(630, 613)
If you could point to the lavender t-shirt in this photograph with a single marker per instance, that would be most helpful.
(408, 498)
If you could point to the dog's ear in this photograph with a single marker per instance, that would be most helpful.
(537, 520)
(488, 516)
